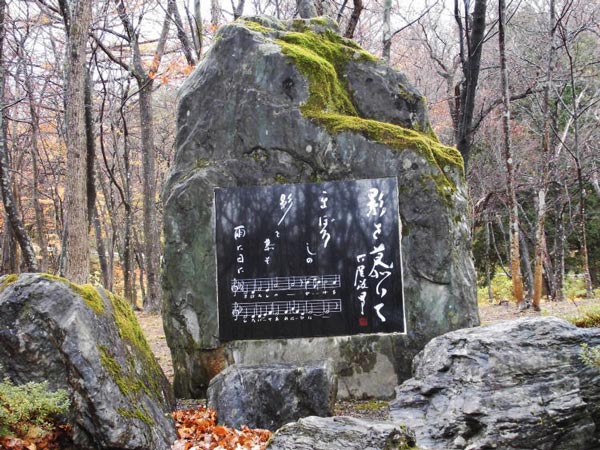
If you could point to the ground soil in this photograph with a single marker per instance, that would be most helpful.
(489, 313)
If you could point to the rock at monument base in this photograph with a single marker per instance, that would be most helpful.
(512, 385)
(248, 115)
(86, 341)
(342, 433)
(269, 396)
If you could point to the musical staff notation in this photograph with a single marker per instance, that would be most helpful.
(262, 310)
(278, 284)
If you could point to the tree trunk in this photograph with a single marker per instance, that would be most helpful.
(106, 276)
(546, 138)
(139, 259)
(595, 181)
(181, 34)
(144, 80)
(526, 264)
(127, 261)
(152, 301)
(559, 257)
(14, 218)
(589, 292)
(238, 9)
(35, 199)
(548, 269)
(75, 252)
(387, 31)
(488, 270)
(353, 22)
(539, 250)
(9, 249)
(91, 151)
(472, 36)
(215, 13)
(515, 256)
(198, 28)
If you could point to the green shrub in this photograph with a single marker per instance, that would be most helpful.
(590, 355)
(501, 290)
(574, 287)
(30, 404)
(589, 318)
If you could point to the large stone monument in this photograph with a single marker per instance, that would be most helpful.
(279, 103)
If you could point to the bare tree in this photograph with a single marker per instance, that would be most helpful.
(215, 13)
(16, 223)
(547, 157)
(75, 252)
(387, 34)
(471, 37)
(145, 82)
(515, 261)
(575, 111)
(186, 46)
(354, 17)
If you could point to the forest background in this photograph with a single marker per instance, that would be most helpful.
(88, 95)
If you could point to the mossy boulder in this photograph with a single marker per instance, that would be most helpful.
(291, 102)
(86, 341)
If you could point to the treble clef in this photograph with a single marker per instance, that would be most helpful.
(237, 286)
(237, 310)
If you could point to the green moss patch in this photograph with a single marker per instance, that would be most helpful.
(130, 331)
(372, 405)
(128, 384)
(322, 58)
(136, 414)
(7, 280)
(87, 292)
(255, 26)
(393, 136)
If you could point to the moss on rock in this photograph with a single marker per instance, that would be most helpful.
(129, 384)
(127, 378)
(136, 413)
(130, 331)
(322, 58)
(87, 292)
(7, 280)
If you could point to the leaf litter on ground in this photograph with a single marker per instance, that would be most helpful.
(197, 429)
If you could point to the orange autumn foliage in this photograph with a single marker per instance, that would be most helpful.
(197, 429)
(37, 439)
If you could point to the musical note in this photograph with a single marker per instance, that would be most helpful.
(262, 310)
(279, 284)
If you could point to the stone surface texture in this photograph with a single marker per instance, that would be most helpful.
(512, 385)
(244, 119)
(269, 396)
(87, 342)
(342, 433)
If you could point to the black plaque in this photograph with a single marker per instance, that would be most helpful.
(315, 259)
